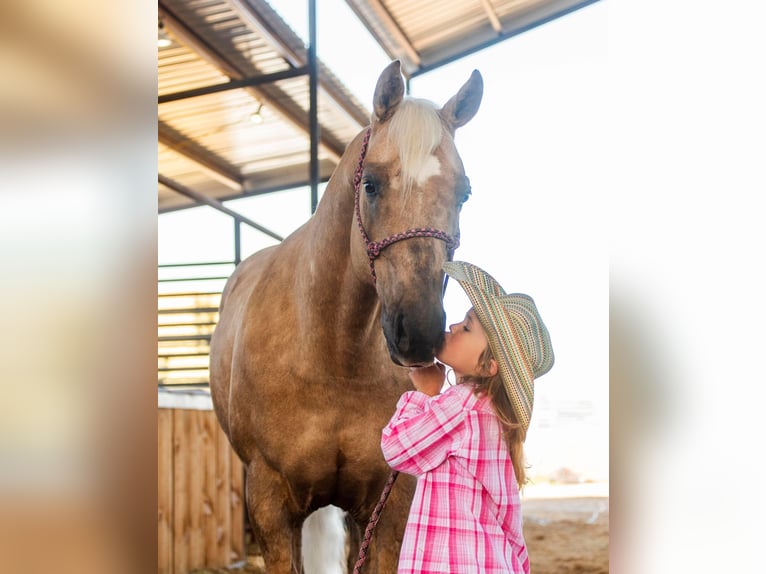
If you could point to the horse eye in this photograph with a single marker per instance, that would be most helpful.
(465, 197)
(369, 187)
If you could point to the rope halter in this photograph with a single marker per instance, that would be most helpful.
(374, 248)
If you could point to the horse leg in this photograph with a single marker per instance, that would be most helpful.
(277, 529)
(323, 538)
(383, 552)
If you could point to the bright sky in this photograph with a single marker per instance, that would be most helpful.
(535, 219)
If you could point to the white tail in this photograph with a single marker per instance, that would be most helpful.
(324, 542)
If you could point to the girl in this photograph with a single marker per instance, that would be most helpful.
(465, 445)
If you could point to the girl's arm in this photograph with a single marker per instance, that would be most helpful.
(423, 432)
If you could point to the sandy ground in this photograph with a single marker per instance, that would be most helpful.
(566, 528)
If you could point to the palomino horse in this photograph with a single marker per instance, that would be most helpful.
(307, 361)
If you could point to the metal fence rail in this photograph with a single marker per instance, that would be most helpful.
(188, 298)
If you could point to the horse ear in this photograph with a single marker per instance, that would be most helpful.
(388, 92)
(459, 110)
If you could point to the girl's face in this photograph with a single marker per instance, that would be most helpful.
(463, 345)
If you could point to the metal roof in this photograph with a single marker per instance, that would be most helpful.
(230, 60)
(424, 34)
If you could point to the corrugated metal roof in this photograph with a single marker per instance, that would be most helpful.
(425, 35)
(207, 142)
(232, 58)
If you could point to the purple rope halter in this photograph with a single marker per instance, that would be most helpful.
(374, 248)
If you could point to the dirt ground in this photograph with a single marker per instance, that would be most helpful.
(565, 535)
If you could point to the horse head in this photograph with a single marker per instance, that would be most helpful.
(410, 187)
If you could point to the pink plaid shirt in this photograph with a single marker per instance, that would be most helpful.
(466, 514)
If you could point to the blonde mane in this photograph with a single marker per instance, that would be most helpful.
(416, 129)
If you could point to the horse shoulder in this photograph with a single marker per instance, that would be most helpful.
(231, 311)
(245, 275)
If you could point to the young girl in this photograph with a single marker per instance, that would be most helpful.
(465, 445)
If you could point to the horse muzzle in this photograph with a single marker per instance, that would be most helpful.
(413, 341)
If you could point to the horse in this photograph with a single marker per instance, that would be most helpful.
(315, 334)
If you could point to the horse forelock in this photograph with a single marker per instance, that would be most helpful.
(416, 130)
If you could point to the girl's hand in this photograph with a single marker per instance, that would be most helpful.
(428, 380)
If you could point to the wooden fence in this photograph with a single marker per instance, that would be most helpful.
(200, 514)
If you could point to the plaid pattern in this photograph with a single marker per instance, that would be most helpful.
(465, 517)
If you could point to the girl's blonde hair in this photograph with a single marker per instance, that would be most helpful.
(513, 433)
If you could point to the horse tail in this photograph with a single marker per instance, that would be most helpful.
(324, 542)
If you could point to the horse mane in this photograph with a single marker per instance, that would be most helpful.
(416, 129)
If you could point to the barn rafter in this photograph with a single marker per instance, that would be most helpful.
(230, 61)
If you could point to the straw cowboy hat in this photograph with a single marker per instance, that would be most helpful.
(517, 336)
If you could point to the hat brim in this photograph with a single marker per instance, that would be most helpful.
(516, 334)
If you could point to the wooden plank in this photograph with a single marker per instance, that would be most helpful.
(211, 512)
(200, 490)
(181, 518)
(222, 493)
(196, 471)
(164, 491)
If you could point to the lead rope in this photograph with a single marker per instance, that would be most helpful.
(374, 521)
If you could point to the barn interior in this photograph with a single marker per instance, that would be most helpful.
(246, 108)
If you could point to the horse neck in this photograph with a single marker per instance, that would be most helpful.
(330, 232)
(334, 293)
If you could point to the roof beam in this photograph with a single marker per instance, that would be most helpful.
(265, 182)
(395, 30)
(333, 90)
(513, 27)
(213, 165)
(400, 38)
(268, 94)
(232, 85)
(252, 13)
(214, 203)
(492, 15)
(189, 38)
